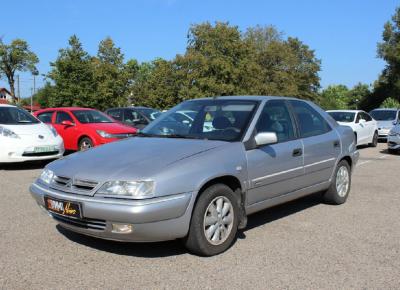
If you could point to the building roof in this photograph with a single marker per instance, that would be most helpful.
(5, 90)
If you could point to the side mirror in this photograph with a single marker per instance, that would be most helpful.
(67, 123)
(362, 121)
(265, 138)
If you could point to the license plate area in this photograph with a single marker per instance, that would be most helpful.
(63, 207)
(44, 149)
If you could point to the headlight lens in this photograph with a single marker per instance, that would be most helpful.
(104, 134)
(133, 189)
(54, 131)
(8, 133)
(46, 176)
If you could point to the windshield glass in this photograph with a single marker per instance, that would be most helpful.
(224, 120)
(16, 116)
(383, 115)
(91, 116)
(346, 117)
(150, 114)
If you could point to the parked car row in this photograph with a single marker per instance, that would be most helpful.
(198, 179)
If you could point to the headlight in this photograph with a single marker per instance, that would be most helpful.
(46, 176)
(104, 134)
(54, 131)
(8, 133)
(133, 189)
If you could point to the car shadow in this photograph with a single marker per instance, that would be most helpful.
(280, 211)
(28, 165)
(145, 250)
(176, 247)
(386, 151)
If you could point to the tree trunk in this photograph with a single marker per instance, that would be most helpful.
(11, 83)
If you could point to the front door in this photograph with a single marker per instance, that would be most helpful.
(275, 169)
(65, 131)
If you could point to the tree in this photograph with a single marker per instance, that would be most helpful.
(357, 95)
(73, 76)
(334, 97)
(110, 76)
(390, 103)
(15, 57)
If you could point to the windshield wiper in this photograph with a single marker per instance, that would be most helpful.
(182, 136)
(142, 134)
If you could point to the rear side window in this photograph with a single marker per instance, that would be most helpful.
(46, 117)
(310, 122)
(63, 116)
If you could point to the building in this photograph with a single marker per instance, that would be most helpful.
(6, 97)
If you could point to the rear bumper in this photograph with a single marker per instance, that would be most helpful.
(158, 219)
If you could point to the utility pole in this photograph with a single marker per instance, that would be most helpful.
(34, 84)
(18, 92)
(32, 90)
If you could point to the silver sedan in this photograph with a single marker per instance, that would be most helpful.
(199, 180)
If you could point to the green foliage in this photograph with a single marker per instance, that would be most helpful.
(390, 103)
(15, 57)
(334, 97)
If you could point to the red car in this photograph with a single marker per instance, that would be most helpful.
(83, 128)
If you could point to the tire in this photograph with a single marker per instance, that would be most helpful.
(213, 199)
(84, 144)
(334, 194)
(374, 142)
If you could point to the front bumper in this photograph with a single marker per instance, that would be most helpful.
(157, 219)
(393, 142)
(17, 151)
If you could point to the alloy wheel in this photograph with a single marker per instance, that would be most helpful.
(218, 220)
(342, 181)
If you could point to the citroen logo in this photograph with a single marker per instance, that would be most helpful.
(41, 137)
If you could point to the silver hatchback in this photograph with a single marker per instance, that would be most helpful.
(199, 180)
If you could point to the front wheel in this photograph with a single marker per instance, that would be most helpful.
(214, 221)
(374, 142)
(85, 144)
(340, 186)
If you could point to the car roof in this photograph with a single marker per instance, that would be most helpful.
(6, 105)
(347, 111)
(65, 109)
(385, 109)
(131, 107)
(249, 98)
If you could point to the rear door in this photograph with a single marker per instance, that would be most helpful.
(321, 143)
(275, 169)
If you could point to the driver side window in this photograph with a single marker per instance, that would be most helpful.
(275, 117)
(63, 116)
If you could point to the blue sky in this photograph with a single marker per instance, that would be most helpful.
(343, 33)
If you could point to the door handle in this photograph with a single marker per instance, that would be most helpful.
(297, 152)
(336, 143)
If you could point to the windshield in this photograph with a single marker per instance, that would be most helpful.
(16, 116)
(224, 120)
(150, 114)
(91, 116)
(345, 117)
(383, 115)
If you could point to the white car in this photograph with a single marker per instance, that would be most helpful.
(393, 139)
(364, 126)
(25, 138)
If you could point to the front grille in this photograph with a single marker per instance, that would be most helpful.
(84, 223)
(72, 185)
(40, 154)
(122, 136)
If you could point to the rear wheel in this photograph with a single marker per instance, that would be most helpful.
(374, 142)
(85, 144)
(340, 186)
(214, 221)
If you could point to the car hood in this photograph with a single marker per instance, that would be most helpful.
(385, 124)
(30, 130)
(345, 123)
(130, 159)
(113, 128)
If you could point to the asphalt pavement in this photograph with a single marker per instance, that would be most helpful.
(301, 245)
